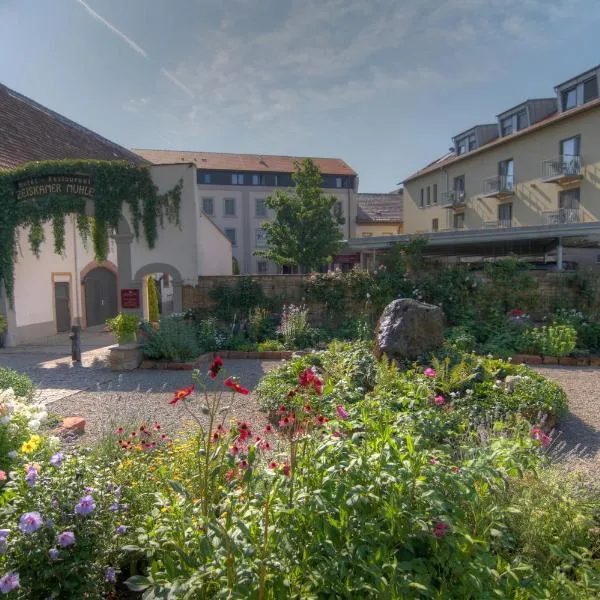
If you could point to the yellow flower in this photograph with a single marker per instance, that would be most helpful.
(32, 444)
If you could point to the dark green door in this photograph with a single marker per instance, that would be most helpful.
(62, 307)
(100, 296)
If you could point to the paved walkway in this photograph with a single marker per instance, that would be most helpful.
(48, 363)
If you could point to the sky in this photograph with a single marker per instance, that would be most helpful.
(382, 84)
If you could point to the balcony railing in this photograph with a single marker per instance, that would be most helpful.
(499, 224)
(563, 216)
(499, 185)
(452, 198)
(566, 166)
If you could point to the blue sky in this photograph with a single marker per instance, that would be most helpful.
(383, 84)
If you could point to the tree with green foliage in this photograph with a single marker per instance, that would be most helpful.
(153, 311)
(305, 232)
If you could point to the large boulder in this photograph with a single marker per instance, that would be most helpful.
(407, 328)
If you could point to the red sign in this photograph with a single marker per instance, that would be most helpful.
(346, 259)
(130, 298)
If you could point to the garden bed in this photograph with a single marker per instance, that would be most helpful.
(563, 361)
(202, 360)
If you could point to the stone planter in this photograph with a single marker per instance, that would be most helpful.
(567, 361)
(528, 359)
(125, 357)
(550, 360)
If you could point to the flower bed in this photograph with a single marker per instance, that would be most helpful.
(373, 482)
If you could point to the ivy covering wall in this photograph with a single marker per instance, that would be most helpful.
(115, 183)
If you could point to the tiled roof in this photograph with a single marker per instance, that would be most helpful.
(379, 208)
(451, 158)
(30, 132)
(242, 162)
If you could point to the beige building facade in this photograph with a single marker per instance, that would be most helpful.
(541, 166)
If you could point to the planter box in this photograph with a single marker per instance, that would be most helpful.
(126, 357)
(550, 360)
(567, 361)
(528, 359)
(595, 361)
(583, 361)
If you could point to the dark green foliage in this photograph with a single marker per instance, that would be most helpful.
(20, 383)
(246, 295)
(304, 232)
(175, 340)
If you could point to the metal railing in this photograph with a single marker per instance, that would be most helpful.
(566, 165)
(563, 216)
(499, 184)
(499, 224)
(452, 198)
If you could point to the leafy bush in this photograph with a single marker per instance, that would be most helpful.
(588, 331)
(260, 324)
(175, 340)
(270, 346)
(20, 383)
(153, 310)
(294, 328)
(246, 295)
(124, 327)
(211, 337)
(553, 340)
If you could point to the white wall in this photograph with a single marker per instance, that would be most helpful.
(175, 246)
(34, 277)
(214, 249)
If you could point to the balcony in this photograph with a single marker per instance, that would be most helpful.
(452, 199)
(562, 169)
(499, 224)
(499, 186)
(563, 216)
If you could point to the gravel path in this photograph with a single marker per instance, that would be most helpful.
(578, 433)
(141, 396)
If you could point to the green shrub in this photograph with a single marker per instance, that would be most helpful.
(552, 340)
(175, 340)
(295, 329)
(124, 327)
(270, 346)
(20, 383)
(154, 313)
(211, 336)
(260, 324)
(588, 330)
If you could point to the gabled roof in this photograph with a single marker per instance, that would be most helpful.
(32, 132)
(254, 163)
(452, 158)
(379, 208)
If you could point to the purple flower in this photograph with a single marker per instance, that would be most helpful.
(54, 503)
(31, 476)
(3, 546)
(121, 529)
(125, 507)
(4, 533)
(30, 522)
(341, 412)
(53, 553)
(118, 493)
(86, 505)
(49, 523)
(66, 538)
(9, 582)
(110, 575)
(114, 507)
(56, 460)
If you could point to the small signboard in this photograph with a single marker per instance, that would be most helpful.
(346, 259)
(130, 298)
(65, 185)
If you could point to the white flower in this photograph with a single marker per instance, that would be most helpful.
(13, 454)
(53, 441)
(34, 424)
(469, 392)
(5, 419)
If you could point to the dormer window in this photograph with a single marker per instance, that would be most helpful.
(578, 90)
(590, 89)
(569, 98)
(506, 126)
(466, 144)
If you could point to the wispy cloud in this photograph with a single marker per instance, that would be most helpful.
(116, 31)
(176, 81)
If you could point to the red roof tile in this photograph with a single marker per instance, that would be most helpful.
(31, 132)
(452, 158)
(242, 162)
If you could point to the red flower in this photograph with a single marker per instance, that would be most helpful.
(234, 450)
(215, 436)
(156, 426)
(307, 408)
(285, 469)
(281, 410)
(119, 431)
(318, 384)
(537, 434)
(230, 474)
(181, 394)
(244, 430)
(134, 434)
(243, 465)
(517, 312)
(286, 421)
(215, 367)
(230, 382)
(306, 377)
(291, 393)
(273, 465)
(269, 428)
(336, 434)
(440, 529)
(266, 446)
(320, 420)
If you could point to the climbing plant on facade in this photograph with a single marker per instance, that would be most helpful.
(48, 191)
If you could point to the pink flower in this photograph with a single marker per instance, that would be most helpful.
(434, 461)
(537, 434)
(285, 469)
(273, 465)
(440, 529)
(336, 434)
(439, 400)
(243, 465)
(340, 411)
(234, 450)
(232, 383)
(2, 476)
(320, 420)
(429, 372)
(269, 428)
(230, 475)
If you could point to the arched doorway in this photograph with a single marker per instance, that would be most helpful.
(100, 296)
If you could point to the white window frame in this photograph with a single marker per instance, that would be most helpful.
(256, 213)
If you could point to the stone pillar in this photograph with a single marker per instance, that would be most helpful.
(123, 241)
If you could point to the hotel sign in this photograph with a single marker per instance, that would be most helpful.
(65, 185)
